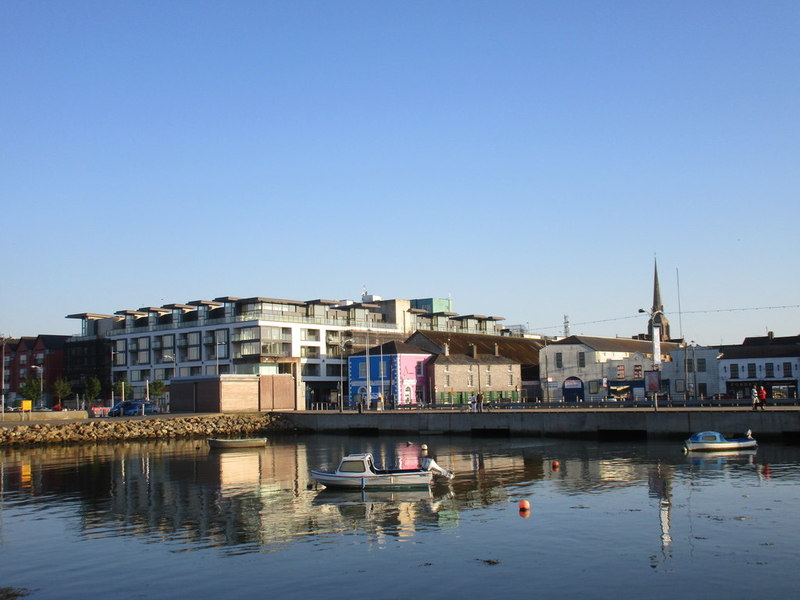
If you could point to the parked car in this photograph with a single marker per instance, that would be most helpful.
(131, 408)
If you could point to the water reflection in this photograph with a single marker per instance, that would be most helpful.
(181, 493)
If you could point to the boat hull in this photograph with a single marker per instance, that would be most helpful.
(713, 441)
(221, 443)
(720, 446)
(397, 480)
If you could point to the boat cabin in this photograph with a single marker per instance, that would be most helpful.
(357, 463)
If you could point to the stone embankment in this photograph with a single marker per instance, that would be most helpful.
(113, 430)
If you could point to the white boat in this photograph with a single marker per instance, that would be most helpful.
(713, 441)
(221, 443)
(358, 471)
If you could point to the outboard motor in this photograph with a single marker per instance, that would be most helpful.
(431, 465)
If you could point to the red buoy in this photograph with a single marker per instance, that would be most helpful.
(524, 505)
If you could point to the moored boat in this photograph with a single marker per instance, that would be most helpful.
(221, 443)
(713, 441)
(358, 471)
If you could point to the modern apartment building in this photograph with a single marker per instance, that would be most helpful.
(262, 336)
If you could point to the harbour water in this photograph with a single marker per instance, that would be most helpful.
(607, 520)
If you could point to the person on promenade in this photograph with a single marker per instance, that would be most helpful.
(754, 397)
(472, 403)
(762, 397)
(480, 402)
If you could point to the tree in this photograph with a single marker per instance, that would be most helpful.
(31, 389)
(118, 389)
(92, 389)
(157, 388)
(61, 389)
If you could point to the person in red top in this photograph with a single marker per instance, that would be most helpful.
(762, 397)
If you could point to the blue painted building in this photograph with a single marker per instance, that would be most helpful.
(395, 371)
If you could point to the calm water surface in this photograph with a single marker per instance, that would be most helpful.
(176, 520)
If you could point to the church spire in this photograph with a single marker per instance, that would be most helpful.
(657, 316)
(657, 304)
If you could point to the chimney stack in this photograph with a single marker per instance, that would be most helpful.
(473, 351)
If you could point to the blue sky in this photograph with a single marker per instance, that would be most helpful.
(529, 159)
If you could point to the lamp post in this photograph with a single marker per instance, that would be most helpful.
(216, 354)
(40, 368)
(3, 341)
(343, 346)
(656, 339)
(693, 346)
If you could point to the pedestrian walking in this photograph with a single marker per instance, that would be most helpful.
(754, 397)
(762, 397)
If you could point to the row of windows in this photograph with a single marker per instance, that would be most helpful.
(469, 368)
(752, 371)
(471, 381)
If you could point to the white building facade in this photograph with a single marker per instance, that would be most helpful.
(582, 368)
(310, 340)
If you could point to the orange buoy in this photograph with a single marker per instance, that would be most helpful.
(556, 465)
(525, 514)
(524, 505)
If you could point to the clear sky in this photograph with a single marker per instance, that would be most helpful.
(529, 159)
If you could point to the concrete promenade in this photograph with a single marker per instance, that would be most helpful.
(628, 423)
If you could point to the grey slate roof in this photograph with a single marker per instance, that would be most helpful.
(603, 344)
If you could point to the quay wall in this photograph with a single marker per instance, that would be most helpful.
(673, 423)
(159, 427)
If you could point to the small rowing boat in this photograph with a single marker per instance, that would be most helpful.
(221, 443)
(713, 441)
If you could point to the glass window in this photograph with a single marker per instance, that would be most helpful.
(310, 370)
(309, 335)
(787, 369)
(362, 370)
(559, 360)
(734, 371)
(637, 372)
(581, 360)
(769, 369)
(689, 365)
(469, 381)
(447, 380)
(620, 371)
(309, 351)
(248, 349)
(751, 370)
(511, 380)
(701, 365)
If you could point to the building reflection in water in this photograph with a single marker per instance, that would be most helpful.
(183, 493)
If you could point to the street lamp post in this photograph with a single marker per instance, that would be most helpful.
(40, 368)
(3, 376)
(656, 339)
(694, 370)
(343, 346)
(216, 354)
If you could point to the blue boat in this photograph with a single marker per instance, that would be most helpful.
(710, 441)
